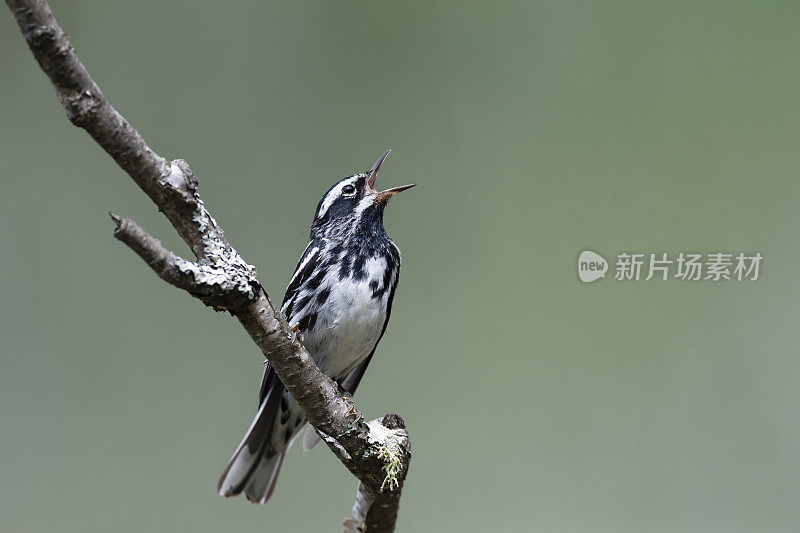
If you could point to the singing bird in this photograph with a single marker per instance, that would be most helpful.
(339, 299)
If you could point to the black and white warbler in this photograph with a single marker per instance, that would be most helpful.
(339, 299)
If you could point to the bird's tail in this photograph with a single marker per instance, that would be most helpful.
(255, 465)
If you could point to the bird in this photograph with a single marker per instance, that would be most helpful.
(339, 300)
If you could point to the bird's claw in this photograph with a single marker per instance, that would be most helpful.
(352, 410)
(297, 335)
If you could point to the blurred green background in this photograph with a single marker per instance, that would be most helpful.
(535, 130)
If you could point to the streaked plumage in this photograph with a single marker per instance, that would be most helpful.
(340, 298)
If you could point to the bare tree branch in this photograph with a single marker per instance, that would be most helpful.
(377, 453)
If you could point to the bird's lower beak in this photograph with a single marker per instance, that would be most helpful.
(388, 193)
(382, 196)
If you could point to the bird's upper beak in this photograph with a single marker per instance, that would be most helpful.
(382, 196)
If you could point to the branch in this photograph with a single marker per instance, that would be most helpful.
(377, 453)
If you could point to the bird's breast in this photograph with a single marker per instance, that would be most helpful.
(351, 317)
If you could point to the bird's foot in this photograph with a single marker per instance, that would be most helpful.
(352, 410)
(297, 335)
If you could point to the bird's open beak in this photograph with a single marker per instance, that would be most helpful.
(388, 193)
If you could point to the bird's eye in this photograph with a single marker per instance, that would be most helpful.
(348, 190)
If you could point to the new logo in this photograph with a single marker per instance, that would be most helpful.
(591, 266)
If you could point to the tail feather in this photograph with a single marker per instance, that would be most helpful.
(252, 452)
(265, 476)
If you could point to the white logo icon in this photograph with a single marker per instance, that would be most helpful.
(591, 266)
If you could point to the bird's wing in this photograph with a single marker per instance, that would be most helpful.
(303, 271)
(268, 382)
(350, 381)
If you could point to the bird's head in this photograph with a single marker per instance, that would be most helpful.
(353, 204)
